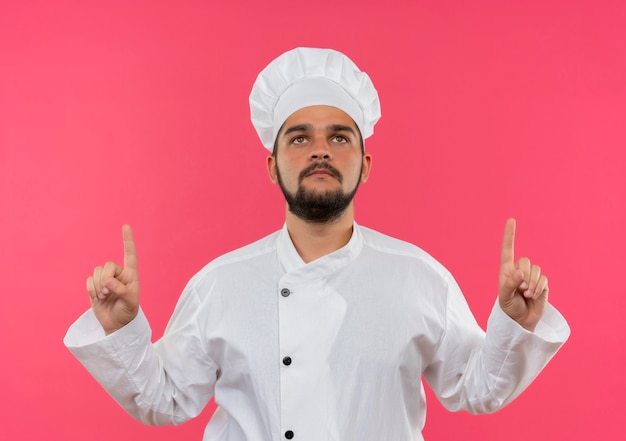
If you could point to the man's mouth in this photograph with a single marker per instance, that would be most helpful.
(322, 169)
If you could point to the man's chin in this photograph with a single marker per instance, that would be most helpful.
(320, 186)
(317, 215)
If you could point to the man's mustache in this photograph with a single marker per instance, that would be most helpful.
(320, 165)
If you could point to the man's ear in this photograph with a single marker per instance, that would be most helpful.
(367, 167)
(270, 163)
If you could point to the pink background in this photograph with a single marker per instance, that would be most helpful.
(136, 111)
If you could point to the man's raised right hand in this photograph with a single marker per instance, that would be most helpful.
(114, 290)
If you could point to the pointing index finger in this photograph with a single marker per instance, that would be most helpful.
(508, 254)
(130, 253)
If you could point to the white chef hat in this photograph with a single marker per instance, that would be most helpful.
(305, 77)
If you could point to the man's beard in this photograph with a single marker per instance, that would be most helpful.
(313, 206)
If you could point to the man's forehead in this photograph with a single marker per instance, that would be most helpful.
(319, 117)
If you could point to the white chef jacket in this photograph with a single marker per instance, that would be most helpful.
(330, 350)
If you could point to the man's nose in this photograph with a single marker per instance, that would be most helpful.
(320, 149)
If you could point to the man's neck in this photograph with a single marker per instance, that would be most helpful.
(315, 240)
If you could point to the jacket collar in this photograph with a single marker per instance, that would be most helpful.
(294, 266)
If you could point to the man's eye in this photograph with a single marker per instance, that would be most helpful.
(298, 140)
(340, 139)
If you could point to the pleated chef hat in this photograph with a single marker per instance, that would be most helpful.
(305, 77)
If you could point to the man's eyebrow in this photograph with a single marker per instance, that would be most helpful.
(298, 128)
(331, 128)
(340, 128)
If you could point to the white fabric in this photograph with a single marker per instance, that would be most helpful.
(361, 325)
(312, 92)
(305, 77)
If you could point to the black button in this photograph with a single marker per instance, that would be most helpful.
(289, 434)
(287, 361)
(285, 292)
